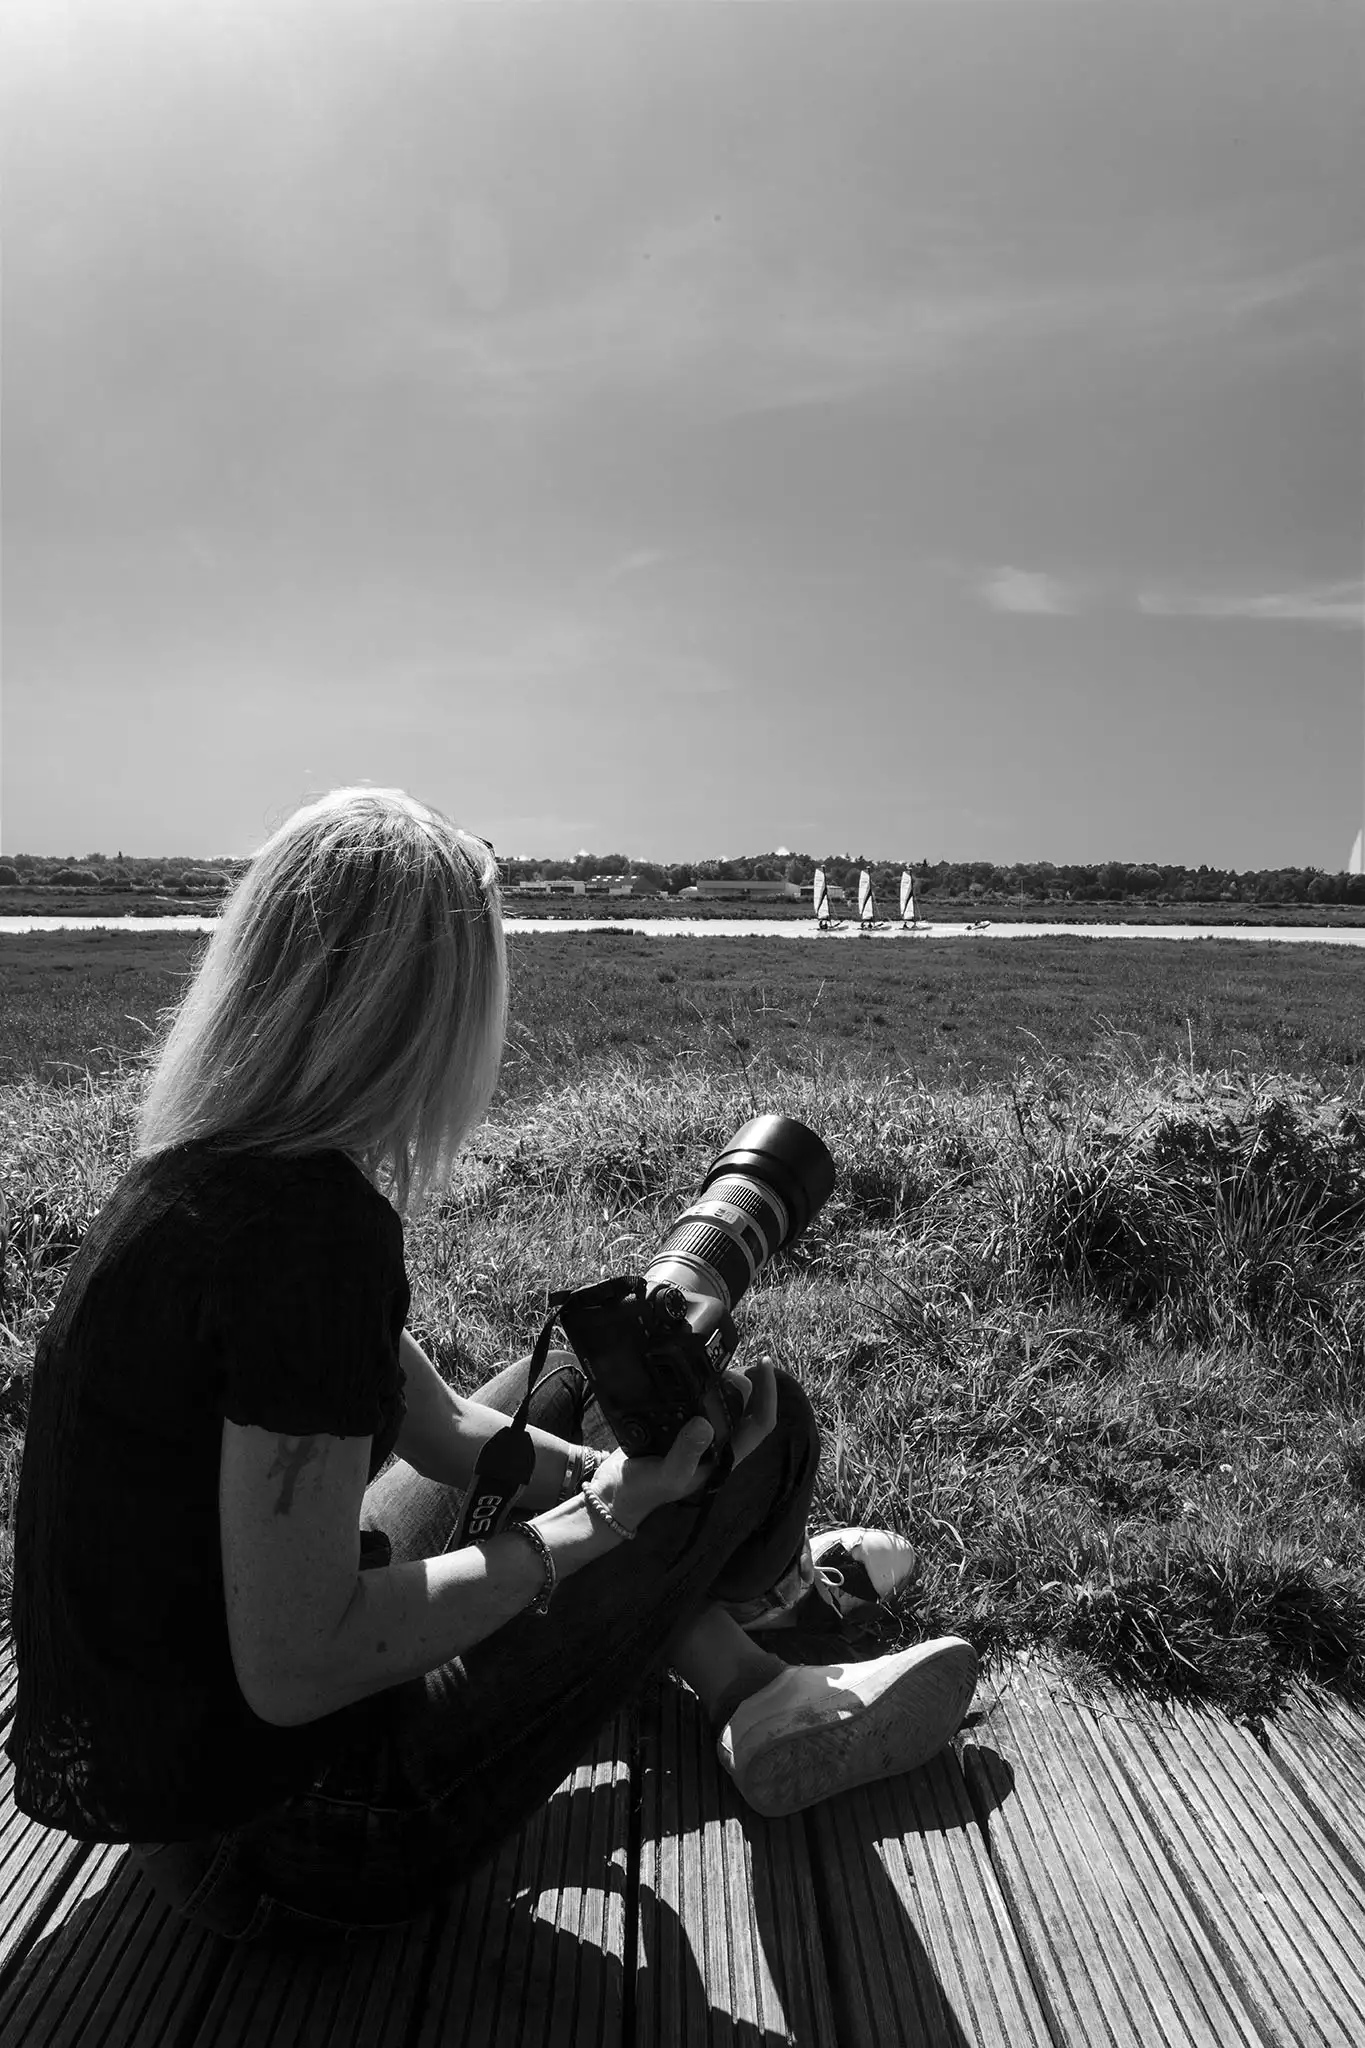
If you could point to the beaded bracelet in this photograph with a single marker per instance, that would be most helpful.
(599, 1507)
(541, 1603)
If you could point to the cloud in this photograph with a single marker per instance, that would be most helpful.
(722, 334)
(732, 325)
(634, 564)
(1324, 604)
(1031, 592)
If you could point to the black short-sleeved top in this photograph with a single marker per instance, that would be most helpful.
(270, 1291)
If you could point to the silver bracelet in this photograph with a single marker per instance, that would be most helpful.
(599, 1507)
(579, 1466)
(541, 1603)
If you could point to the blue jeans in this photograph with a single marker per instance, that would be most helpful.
(433, 1774)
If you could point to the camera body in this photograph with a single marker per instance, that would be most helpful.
(654, 1357)
(655, 1347)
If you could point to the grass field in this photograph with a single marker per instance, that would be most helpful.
(1085, 1316)
(962, 1011)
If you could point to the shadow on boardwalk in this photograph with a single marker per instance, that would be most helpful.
(1075, 1870)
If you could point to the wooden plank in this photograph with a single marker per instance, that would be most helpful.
(9, 1681)
(345, 1993)
(530, 1952)
(920, 1945)
(728, 1946)
(112, 1968)
(1117, 1953)
(36, 1867)
(1282, 1905)
(1319, 1748)
(104, 1962)
(522, 1942)
(86, 1953)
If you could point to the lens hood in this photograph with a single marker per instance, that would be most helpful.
(787, 1157)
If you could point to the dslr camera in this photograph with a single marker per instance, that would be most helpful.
(655, 1346)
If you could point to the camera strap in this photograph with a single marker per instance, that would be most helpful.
(506, 1462)
(503, 1468)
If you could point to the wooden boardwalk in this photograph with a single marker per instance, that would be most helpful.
(1074, 1874)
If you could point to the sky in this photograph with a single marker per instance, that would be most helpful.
(926, 431)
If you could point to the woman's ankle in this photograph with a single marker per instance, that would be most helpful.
(742, 1689)
(722, 1665)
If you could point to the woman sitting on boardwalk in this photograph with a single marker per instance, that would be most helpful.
(245, 1643)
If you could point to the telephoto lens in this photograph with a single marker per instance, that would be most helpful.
(758, 1195)
(655, 1347)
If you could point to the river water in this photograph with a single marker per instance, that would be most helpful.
(787, 928)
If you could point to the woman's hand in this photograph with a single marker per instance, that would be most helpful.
(633, 1487)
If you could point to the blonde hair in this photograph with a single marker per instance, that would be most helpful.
(353, 997)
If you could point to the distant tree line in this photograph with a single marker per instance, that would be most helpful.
(1111, 881)
(178, 876)
(1038, 881)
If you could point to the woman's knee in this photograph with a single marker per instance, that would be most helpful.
(785, 1462)
(560, 1397)
(557, 1402)
(796, 1420)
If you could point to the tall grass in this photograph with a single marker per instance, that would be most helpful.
(1095, 1339)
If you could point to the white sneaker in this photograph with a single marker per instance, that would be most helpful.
(821, 1729)
(859, 1568)
(841, 1575)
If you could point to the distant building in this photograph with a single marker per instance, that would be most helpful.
(747, 892)
(567, 887)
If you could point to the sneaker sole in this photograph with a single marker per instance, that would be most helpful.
(910, 1723)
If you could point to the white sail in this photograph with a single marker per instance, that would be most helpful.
(907, 897)
(821, 896)
(867, 909)
(1357, 866)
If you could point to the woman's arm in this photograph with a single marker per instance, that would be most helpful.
(442, 1434)
(310, 1632)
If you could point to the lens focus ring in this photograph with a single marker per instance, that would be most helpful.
(710, 1246)
(752, 1199)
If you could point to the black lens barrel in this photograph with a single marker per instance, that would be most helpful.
(788, 1158)
(758, 1196)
